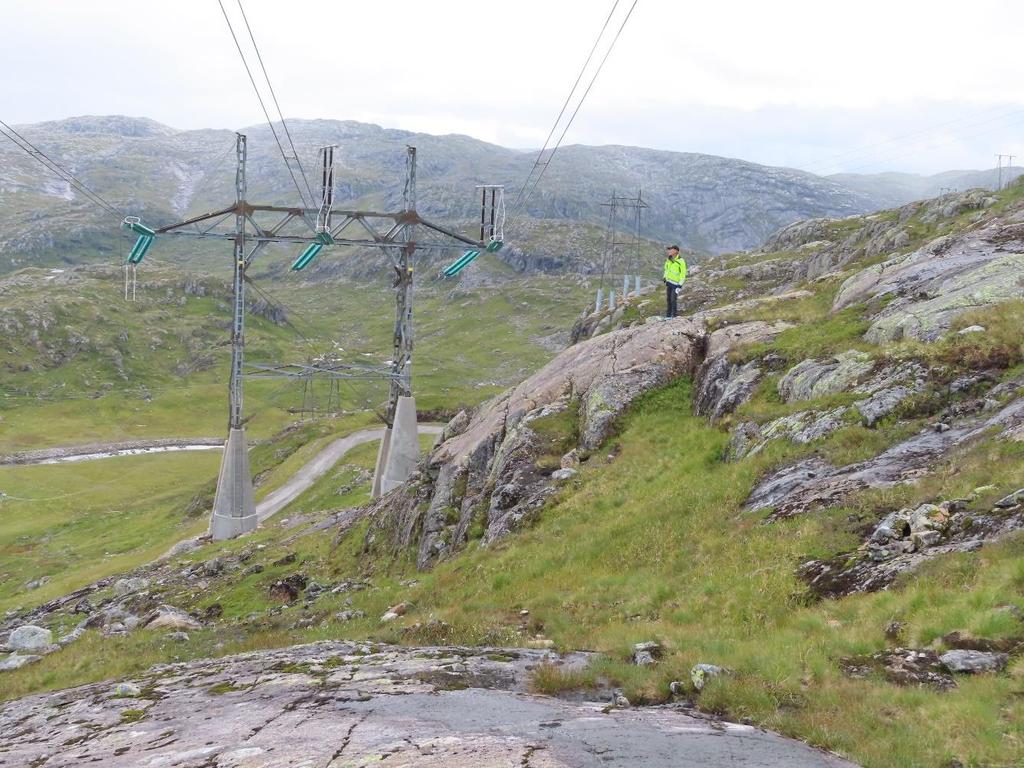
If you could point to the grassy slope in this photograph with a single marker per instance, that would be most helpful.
(653, 544)
(57, 391)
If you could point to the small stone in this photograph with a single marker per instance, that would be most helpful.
(17, 661)
(524, 613)
(127, 690)
(169, 617)
(213, 567)
(974, 662)
(388, 616)
(940, 427)
(925, 539)
(701, 673)
(571, 459)
(178, 637)
(124, 587)
(563, 474)
(30, 638)
(349, 615)
(646, 653)
(893, 631)
(286, 560)
(971, 329)
(254, 569)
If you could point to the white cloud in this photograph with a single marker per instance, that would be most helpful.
(791, 81)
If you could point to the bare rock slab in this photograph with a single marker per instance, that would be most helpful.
(345, 704)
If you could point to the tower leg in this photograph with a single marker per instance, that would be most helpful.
(403, 447)
(234, 511)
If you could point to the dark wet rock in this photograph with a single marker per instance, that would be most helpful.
(965, 641)
(974, 662)
(902, 541)
(286, 560)
(902, 666)
(723, 386)
(289, 588)
(647, 653)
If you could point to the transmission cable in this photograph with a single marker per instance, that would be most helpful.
(565, 105)
(33, 151)
(263, 106)
(858, 154)
(583, 98)
(277, 106)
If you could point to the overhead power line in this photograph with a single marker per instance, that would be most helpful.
(561, 112)
(277, 106)
(861, 153)
(56, 168)
(263, 106)
(540, 165)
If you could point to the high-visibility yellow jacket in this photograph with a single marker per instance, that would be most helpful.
(675, 271)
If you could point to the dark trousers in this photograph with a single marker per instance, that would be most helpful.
(670, 300)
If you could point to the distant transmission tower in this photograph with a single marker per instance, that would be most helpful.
(632, 208)
(999, 161)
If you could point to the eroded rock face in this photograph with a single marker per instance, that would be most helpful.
(337, 704)
(486, 472)
(813, 378)
(721, 385)
(905, 539)
(927, 289)
(813, 483)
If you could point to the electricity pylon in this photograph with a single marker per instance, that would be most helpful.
(234, 512)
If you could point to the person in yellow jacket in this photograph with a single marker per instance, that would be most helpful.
(675, 276)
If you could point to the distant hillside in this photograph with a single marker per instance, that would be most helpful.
(705, 203)
(890, 189)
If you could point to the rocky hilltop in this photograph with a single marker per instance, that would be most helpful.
(706, 203)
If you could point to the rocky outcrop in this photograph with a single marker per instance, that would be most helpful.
(812, 378)
(927, 289)
(348, 704)
(905, 539)
(813, 483)
(824, 246)
(487, 472)
(721, 385)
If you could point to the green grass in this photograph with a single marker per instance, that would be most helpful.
(653, 546)
(74, 523)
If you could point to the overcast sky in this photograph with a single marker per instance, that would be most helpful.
(858, 85)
